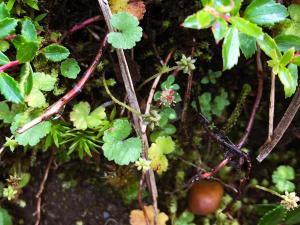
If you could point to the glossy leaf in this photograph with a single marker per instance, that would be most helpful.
(26, 51)
(288, 80)
(70, 68)
(285, 42)
(230, 48)
(26, 81)
(267, 44)
(3, 59)
(293, 217)
(9, 88)
(246, 27)
(294, 11)
(219, 29)
(7, 26)
(29, 31)
(129, 32)
(56, 52)
(5, 218)
(199, 20)
(265, 12)
(247, 45)
(287, 57)
(296, 60)
(4, 13)
(274, 216)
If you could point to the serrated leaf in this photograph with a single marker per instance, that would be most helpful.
(287, 57)
(119, 131)
(267, 44)
(44, 82)
(7, 26)
(247, 27)
(219, 29)
(199, 20)
(26, 80)
(56, 52)
(123, 152)
(3, 59)
(294, 11)
(4, 13)
(96, 117)
(247, 45)
(129, 31)
(28, 31)
(5, 218)
(293, 217)
(5, 114)
(4, 45)
(70, 68)
(265, 12)
(9, 88)
(288, 80)
(285, 42)
(273, 217)
(26, 51)
(230, 48)
(36, 99)
(79, 115)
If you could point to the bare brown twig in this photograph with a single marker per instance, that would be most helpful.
(271, 107)
(57, 106)
(140, 200)
(260, 74)
(42, 188)
(282, 126)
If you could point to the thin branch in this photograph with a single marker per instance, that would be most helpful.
(260, 76)
(85, 23)
(9, 65)
(187, 97)
(57, 106)
(271, 107)
(133, 102)
(282, 126)
(140, 200)
(41, 189)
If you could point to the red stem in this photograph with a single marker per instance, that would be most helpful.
(9, 65)
(85, 23)
(57, 106)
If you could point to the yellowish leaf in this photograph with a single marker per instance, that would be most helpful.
(137, 217)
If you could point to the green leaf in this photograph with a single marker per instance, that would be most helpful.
(82, 119)
(247, 45)
(267, 44)
(186, 218)
(287, 57)
(120, 130)
(4, 13)
(26, 51)
(281, 178)
(70, 68)
(36, 99)
(265, 12)
(123, 152)
(7, 26)
(220, 102)
(56, 53)
(29, 31)
(5, 218)
(296, 60)
(26, 81)
(285, 42)
(44, 82)
(293, 217)
(4, 45)
(230, 48)
(219, 29)
(3, 59)
(129, 31)
(288, 80)
(294, 11)
(274, 216)
(5, 114)
(199, 20)
(32, 3)
(9, 88)
(246, 27)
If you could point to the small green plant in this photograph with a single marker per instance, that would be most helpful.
(282, 178)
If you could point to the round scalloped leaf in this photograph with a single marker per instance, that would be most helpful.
(129, 31)
(70, 68)
(120, 130)
(56, 53)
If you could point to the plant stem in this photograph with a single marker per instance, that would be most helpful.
(57, 106)
(9, 65)
(119, 102)
(282, 126)
(271, 107)
(260, 76)
(85, 23)
(268, 190)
